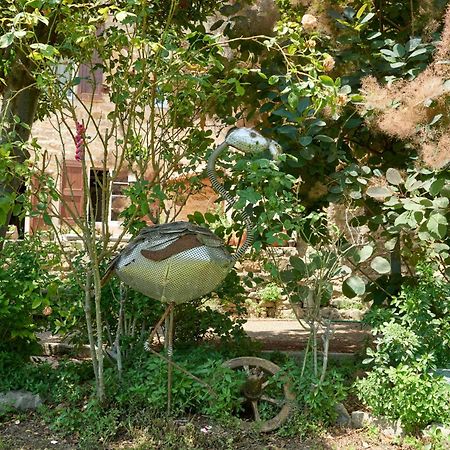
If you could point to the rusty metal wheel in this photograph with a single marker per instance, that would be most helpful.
(266, 399)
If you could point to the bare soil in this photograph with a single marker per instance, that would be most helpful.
(30, 433)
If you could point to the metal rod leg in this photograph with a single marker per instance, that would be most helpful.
(155, 329)
(170, 358)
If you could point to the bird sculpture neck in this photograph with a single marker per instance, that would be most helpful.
(219, 188)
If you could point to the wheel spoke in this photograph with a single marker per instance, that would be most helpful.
(265, 384)
(247, 369)
(274, 401)
(255, 410)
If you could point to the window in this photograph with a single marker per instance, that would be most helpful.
(91, 78)
(96, 192)
(119, 201)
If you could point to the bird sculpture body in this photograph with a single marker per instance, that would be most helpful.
(175, 262)
(179, 262)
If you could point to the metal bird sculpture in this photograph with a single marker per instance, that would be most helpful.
(179, 261)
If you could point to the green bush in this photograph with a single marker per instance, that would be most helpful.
(412, 340)
(407, 393)
(28, 284)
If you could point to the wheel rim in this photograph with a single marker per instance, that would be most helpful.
(268, 398)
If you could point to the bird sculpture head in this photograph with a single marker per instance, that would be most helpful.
(250, 141)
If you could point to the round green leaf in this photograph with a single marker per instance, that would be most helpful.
(364, 253)
(436, 186)
(393, 176)
(437, 225)
(379, 192)
(6, 40)
(298, 265)
(353, 286)
(36, 303)
(380, 265)
(305, 140)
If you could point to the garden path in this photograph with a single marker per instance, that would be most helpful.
(282, 334)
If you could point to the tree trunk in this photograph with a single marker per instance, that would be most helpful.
(18, 110)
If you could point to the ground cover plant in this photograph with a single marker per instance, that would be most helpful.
(139, 396)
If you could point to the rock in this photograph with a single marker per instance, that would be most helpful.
(352, 314)
(330, 313)
(389, 428)
(21, 400)
(343, 417)
(360, 419)
(434, 428)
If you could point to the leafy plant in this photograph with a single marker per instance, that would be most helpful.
(28, 287)
(411, 342)
(316, 398)
(407, 393)
(271, 293)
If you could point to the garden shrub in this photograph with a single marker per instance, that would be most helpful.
(412, 341)
(408, 393)
(28, 284)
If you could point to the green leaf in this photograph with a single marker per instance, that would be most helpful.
(361, 10)
(324, 138)
(305, 140)
(7, 39)
(326, 80)
(412, 204)
(437, 225)
(399, 50)
(440, 203)
(216, 25)
(36, 303)
(299, 265)
(353, 286)
(293, 100)
(46, 50)
(240, 90)
(368, 17)
(380, 265)
(394, 177)
(364, 253)
(419, 51)
(398, 64)
(435, 119)
(125, 17)
(412, 184)
(436, 186)
(379, 192)
(405, 218)
(47, 219)
(390, 244)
